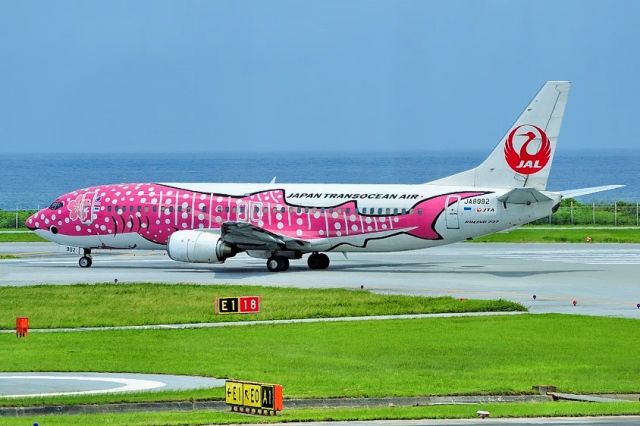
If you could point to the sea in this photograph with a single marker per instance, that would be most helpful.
(32, 181)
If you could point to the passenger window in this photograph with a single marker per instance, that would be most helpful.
(299, 210)
(131, 208)
(347, 211)
(372, 210)
(108, 208)
(339, 210)
(388, 211)
(404, 211)
(219, 209)
(420, 211)
(139, 208)
(380, 211)
(155, 209)
(146, 209)
(395, 211)
(330, 210)
(170, 209)
(204, 209)
(179, 208)
(226, 209)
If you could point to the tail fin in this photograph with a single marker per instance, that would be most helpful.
(523, 156)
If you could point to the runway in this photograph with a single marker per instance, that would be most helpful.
(602, 278)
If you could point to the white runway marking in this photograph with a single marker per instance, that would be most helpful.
(127, 385)
(583, 257)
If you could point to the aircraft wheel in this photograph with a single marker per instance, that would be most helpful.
(324, 261)
(284, 264)
(314, 261)
(85, 262)
(277, 264)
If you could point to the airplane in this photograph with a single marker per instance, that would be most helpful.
(212, 222)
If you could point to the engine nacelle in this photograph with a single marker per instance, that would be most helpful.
(198, 247)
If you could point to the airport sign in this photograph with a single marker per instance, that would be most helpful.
(237, 305)
(252, 397)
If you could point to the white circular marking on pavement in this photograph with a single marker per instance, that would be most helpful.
(126, 385)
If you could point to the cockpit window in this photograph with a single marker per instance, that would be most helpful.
(56, 205)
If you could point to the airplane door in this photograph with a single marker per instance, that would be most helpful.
(451, 209)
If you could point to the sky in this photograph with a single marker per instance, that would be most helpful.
(229, 76)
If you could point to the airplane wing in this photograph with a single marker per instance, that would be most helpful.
(571, 193)
(523, 196)
(250, 237)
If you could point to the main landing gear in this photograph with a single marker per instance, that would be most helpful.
(85, 261)
(318, 261)
(277, 264)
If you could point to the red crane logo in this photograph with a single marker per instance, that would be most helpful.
(523, 161)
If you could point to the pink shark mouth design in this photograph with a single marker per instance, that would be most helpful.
(155, 211)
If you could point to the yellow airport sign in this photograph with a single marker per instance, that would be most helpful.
(253, 397)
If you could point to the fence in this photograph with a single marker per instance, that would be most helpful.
(616, 214)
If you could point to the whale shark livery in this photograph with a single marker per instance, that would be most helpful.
(211, 222)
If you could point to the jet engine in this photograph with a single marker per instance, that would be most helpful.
(198, 247)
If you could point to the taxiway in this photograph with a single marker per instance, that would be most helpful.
(601, 278)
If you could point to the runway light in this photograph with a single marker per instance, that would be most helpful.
(534, 297)
(575, 302)
(483, 414)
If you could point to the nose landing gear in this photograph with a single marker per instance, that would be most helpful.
(85, 261)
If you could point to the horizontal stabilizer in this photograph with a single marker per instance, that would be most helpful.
(571, 193)
(523, 196)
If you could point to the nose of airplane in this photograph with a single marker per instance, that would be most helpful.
(32, 221)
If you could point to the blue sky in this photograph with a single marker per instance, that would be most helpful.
(188, 76)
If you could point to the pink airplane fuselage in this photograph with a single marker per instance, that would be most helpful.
(94, 217)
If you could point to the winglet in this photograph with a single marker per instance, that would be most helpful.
(273, 180)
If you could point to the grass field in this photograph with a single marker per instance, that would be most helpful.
(21, 237)
(531, 234)
(342, 414)
(84, 305)
(501, 355)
